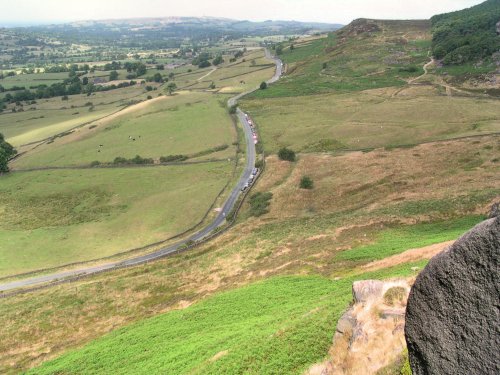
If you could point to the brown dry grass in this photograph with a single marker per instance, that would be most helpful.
(377, 179)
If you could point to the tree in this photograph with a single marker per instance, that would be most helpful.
(6, 152)
(306, 183)
(113, 75)
(141, 69)
(158, 78)
(263, 86)
(204, 64)
(218, 60)
(279, 49)
(171, 87)
(286, 154)
(160, 67)
(292, 47)
(85, 81)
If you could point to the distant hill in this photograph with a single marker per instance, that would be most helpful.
(467, 35)
(153, 32)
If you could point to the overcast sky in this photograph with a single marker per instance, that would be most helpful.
(331, 11)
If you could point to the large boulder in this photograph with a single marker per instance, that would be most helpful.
(494, 211)
(452, 316)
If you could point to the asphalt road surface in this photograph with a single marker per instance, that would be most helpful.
(219, 220)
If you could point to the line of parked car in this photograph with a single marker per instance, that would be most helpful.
(256, 140)
(252, 126)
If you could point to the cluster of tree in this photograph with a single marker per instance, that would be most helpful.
(202, 60)
(6, 153)
(467, 35)
(8, 74)
(71, 86)
(137, 67)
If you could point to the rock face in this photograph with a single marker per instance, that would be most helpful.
(363, 290)
(369, 335)
(453, 312)
(494, 211)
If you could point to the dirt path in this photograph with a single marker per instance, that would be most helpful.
(426, 71)
(206, 75)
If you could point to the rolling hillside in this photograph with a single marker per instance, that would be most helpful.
(402, 153)
(400, 156)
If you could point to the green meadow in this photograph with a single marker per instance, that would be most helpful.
(51, 218)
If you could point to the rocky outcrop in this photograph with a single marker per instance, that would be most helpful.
(453, 312)
(370, 335)
(494, 211)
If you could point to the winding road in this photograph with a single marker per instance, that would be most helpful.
(171, 249)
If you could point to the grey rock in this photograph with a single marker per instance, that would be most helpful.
(346, 323)
(494, 211)
(453, 312)
(366, 289)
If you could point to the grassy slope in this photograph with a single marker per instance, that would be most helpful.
(51, 218)
(53, 116)
(182, 124)
(361, 99)
(282, 325)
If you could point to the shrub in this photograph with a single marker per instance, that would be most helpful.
(394, 295)
(259, 203)
(306, 183)
(409, 69)
(95, 163)
(286, 154)
(263, 86)
(136, 160)
(120, 160)
(232, 109)
(172, 158)
(259, 164)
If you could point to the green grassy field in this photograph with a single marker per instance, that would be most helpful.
(28, 80)
(281, 325)
(278, 326)
(53, 116)
(181, 124)
(26, 127)
(369, 119)
(51, 218)
(396, 240)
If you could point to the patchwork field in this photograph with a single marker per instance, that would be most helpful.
(51, 218)
(186, 123)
